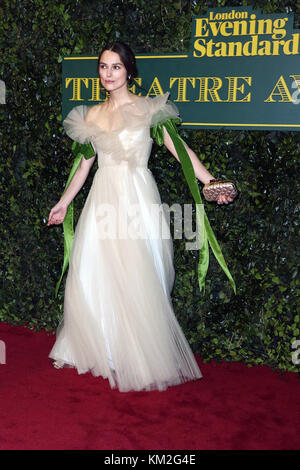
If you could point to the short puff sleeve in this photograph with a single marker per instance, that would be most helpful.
(161, 109)
(77, 128)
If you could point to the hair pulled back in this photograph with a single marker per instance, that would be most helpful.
(126, 56)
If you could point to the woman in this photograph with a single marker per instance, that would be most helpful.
(118, 317)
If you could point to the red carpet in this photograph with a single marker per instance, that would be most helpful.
(233, 407)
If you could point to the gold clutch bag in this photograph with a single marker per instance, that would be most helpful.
(214, 188)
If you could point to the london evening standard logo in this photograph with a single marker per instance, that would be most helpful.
(238, 33)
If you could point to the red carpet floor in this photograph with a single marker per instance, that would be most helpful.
(233, 407)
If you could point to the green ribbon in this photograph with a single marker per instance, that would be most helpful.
(157, 133)
(79, 150)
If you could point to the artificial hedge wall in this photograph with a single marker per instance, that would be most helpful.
(258, 233)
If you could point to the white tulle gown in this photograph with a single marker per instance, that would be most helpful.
(118, 320)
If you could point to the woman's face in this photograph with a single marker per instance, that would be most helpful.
(112, 71)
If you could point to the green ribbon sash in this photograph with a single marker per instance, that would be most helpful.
(203, 225)
(79, 150)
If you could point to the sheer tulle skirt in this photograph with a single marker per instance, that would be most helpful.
(118, 318)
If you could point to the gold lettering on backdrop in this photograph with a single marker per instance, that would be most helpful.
(292, 45)
(204, 89)
(133, 88)
(202, 47)
(182, 83)
(228, 16)
(209, 88)
(233, 88)
(199, 48)
(201, 27)
(156, 87)
(241, 24)
(76, 96)
(282, 91)
(95, 89)
(210, 27)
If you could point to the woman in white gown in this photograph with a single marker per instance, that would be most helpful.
(118, 319)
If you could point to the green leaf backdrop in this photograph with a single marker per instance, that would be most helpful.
(258, 234)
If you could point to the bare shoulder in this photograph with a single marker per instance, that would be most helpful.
(93, 112)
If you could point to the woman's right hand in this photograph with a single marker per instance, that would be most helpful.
(57, 214)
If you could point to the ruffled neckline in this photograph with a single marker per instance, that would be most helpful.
(140, 113)
(128, 117)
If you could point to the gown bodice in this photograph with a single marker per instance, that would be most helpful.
(127, 142)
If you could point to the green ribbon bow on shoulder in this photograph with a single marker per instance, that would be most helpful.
(203, 225)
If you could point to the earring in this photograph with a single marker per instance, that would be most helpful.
(129, 78)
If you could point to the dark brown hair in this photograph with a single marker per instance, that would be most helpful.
(126, 56)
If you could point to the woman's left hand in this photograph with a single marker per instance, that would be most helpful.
(223, 199)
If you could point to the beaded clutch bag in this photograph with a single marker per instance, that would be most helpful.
(214, 188)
